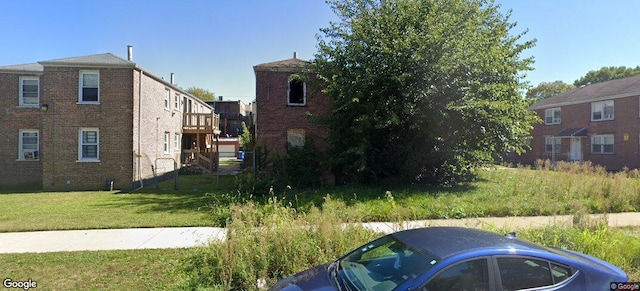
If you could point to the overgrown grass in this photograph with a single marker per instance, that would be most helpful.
(267, 243)
(205, 200)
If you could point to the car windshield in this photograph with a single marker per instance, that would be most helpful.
(383, 264)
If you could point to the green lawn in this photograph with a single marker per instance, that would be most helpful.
(206, 201)
(148, 207)
(101, 270)
(238, 263)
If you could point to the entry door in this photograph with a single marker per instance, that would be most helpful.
(575, 152)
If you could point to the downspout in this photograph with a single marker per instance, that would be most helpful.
(138, 155)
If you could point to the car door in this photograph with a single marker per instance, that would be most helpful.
(532, 273)
(468, 275)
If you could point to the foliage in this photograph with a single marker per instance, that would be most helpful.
(606, 74)
(300, 166)
(201, 93)
(267, 244)
(422, 90)
(548, 89)
(246, 138)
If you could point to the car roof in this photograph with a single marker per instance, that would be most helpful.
(447, 241)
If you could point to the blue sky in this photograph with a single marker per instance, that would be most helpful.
(214, 44)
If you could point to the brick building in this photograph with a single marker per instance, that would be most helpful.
(284, 103)
(597, 123)
(76, 123)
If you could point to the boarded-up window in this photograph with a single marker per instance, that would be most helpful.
(295, 137)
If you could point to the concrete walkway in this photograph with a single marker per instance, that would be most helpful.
(184, 237)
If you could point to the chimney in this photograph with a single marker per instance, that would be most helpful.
(219, 98)
(173, 79)
(130, 53)
(295, 55)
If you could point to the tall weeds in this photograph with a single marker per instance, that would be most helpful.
(271, 242)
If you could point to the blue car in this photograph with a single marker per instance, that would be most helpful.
(457, 258)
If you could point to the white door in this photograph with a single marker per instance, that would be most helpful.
(575, 152)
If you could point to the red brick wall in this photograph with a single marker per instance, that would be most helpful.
(275, 117)
(112, 117)
(626, 123)
(12, 119)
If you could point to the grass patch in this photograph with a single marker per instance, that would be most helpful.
(149, 207)
(103, 270)
(262, 256)
(207, 200)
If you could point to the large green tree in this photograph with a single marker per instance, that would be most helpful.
(201, 93)
(548, 89)
(606, 74)
(423, 90)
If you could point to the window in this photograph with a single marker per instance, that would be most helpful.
(602, 110)
(552, 144)
(297, 91)
(89, 87)
(88, 144)
(29, 91)
(176, 142)
(524, 273)
(469, 275)
(29, 145)
(167, 97)
(552, 116)
(295, 137)
(166, 143)
(602, 144)
(176, 102)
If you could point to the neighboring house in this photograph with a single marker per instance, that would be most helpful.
(81, 123)
(284, 103)
(232, 115)
(598, 123)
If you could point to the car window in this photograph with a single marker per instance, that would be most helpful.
(522, 273)
(469, 275)
(383, 264)
(560, 273)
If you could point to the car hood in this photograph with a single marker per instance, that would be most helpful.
(315, 279)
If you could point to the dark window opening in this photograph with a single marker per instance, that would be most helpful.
(296, 92)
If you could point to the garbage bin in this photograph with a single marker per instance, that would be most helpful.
(240, 155)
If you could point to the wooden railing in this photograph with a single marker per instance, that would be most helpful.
(200, 122)
(206, 161)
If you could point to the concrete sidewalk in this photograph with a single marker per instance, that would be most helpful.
(185, 237)
(108, 239)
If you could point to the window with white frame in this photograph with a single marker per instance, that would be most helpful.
(176, 142)
(552, 116)
(167, 97)
(29, 145)
(602, 110)
(89, 87)
(29, 91)
(552, 144)
(296, 91)
(166, 143)
(602, 144)
(88, 144)
(176, 102)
